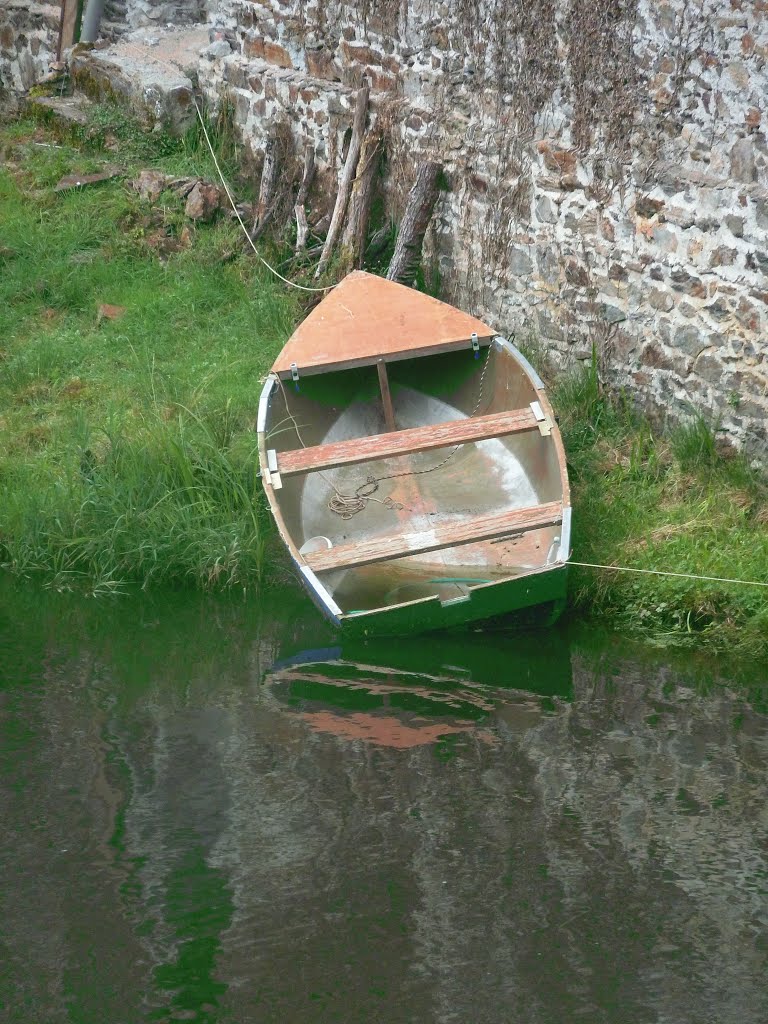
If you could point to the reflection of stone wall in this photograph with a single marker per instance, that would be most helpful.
(646, 774)
(607, 163)
(175, 833)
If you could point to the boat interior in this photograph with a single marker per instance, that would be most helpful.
(417, 478)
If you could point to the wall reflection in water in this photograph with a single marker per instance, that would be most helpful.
(212, 814)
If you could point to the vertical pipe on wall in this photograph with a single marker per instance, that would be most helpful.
(91, 21)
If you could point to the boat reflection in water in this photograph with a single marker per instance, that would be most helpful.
(402, 696)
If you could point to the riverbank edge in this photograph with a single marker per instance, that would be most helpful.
(643, 497)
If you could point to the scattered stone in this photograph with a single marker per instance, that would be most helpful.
(203, 202)
(758, 261)
(761, 212)
(576, 274)
(149, 185)
(67, 110)
(561, 160)
(653, 355)
(107, 312)
(182, 186)
(723, 256)
(683, 217)
(735, 225)
(748, 316)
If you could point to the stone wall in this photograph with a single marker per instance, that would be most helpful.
(607, 166)
(28, 36)
(140, 13)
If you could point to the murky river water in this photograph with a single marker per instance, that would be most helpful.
(208, 815)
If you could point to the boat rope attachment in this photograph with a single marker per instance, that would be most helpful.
(679, 575)
(270, 268)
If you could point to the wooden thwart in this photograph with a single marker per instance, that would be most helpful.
(468, 531)
(405, 442)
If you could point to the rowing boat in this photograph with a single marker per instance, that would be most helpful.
(412, 463)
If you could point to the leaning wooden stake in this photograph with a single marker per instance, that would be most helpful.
(410, 236)
(345, 181)
(302, 228)
(266, 204)
(356, 228)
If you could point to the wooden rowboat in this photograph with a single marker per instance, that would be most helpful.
(412, 463)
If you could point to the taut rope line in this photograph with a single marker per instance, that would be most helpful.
(679, 575)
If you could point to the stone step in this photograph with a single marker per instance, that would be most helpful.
(149, 71)
(68, 111)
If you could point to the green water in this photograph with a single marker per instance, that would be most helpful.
(210, 813)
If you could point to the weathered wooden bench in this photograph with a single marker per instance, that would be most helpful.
(403, 442)
(466, 531)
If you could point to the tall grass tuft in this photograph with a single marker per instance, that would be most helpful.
(167, 503)
(694, 444)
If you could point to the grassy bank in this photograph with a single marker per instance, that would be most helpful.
(675, 502)
(127, 450)
(126, 444)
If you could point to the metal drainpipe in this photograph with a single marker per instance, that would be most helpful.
(91, 20)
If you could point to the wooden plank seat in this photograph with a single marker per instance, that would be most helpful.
(405, 442)
(467, 531)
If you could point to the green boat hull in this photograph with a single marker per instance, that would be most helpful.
(537, 598)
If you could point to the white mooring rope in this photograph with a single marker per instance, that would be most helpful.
(679, 575)
(271, 269)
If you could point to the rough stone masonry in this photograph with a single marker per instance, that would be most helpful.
(606, 166)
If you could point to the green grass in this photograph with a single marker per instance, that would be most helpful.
(127, 446)
(675, 502)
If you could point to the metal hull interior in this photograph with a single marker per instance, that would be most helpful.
(420, 492)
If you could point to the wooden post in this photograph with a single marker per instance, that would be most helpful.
(410, 236)
(356, 228)
(386, 397)
(302, 228)
(345, 181)
(266, 203)
(67, 26)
